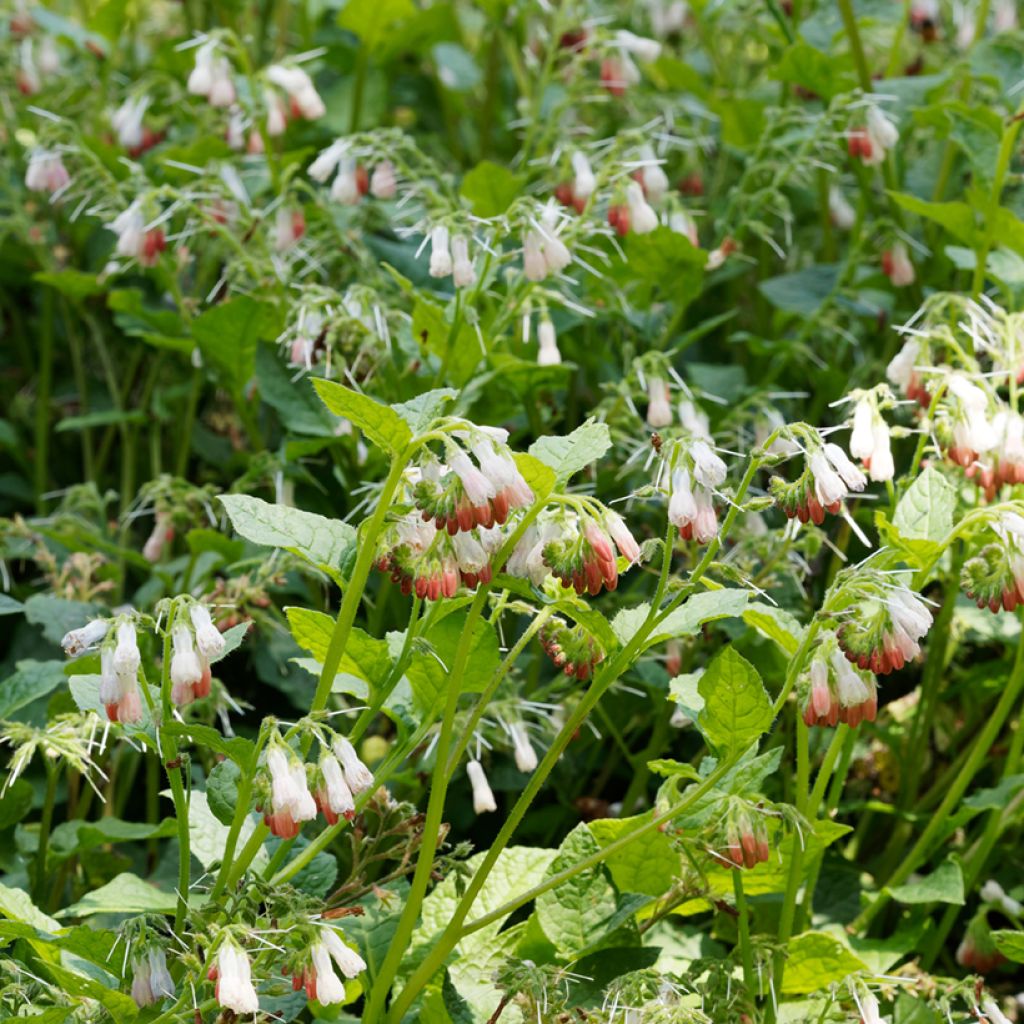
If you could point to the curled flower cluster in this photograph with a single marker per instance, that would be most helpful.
(837, 692)
(743, 837)
(571, 648)
(994, 578)
(697, 473)
(883, 635)
(826, 481)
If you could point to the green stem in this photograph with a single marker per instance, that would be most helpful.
(362, 62)
(958, 786)
(185, 438)
(45, 386)
(856, 46)
(45, 825)
(746, 952)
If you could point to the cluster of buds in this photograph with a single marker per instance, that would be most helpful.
(317, 973)
(129, 126)
(195, 643)
(884, 634)
(46, 172)
(872, 142)
(869, 439)
(151, 981)
(232, 977)
(571, 648)
(577, 192)
(289, 792)
(837, 692)
(695, 475)
(134, 239)
(465, 494)
(745, 836)
(977, 950)
(618, 69)
(544, 252)
(994, 578)
(351, 182)
(584, 557)
(211, 76)
(827, 479)
(897, 267)
(303, 99)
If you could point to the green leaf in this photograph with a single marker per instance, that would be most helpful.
(366, 658)
(459, 1011)
(31, 680)
(236, 747)
(222, 790)
(944, 885)
(925, 512)
(75, 284)
(208, 836)
(15, 803)
(802, 291)
(816, 959)
(568, 455)
(228, 333)
(775, 624)
(421, 411)
(664, 262)
(17, 905)
(577, 913)
(429, 674)
(490, 188)
(736, 707)
(101, 418)
(518, 868)
(374, 21)
(459, 353)
(956, 217)
(820, 73)
(71, 837)
(1009, 229)
(647, 865)
(1010, 944)
(374, 929)
(702, 607)
(125, 894)
(298, 407)
(58, 615)
(8, 606)
(323, 542)
(592, 974)
(380, 423)
(540, 477)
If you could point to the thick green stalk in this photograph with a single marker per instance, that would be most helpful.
(45, 825)
(45, 385)
(856, 47)
(743, 921)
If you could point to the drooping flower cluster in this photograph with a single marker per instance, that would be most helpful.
(883, 629)
(211, 76)
(135, 239)
(994, 578)
(572, 648)
(828, 478)
(195, 642)
(874, 139)
(544, 252)
(151, 981)
(695, 473)
(232, 975)
(870, 440)
(742, 836)
(835, 691)
(290, 792)
(316, 973)
(46, 172)
(303, 99)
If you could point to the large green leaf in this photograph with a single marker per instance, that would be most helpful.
(925, 512)
(228, 333)
(814, 960)
(380, 423)
(578, 912)
(956, 217)
(944, 885)
(568, 455)
(684, 621)
(31, 680)
(490, 188)
(324, 542)
(647, 865)
(365, 659)
(736, 707)
(125, 894)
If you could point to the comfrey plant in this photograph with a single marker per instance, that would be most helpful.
(530, 500)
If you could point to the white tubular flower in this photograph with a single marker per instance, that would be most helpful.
(535, 266)
(705, 526)
(78, 640)
(478, 488)
(693, 419)
(646, 50)
(277, 115)
(525, 755)
(556, 254)
(1004, 16)
(440, 254)
(160, 980)
(289, 793)
(186, 669)
(620, 533)
(110, 683)
(483, 798)
(200, 79)
(969, 395)
(222, 92)
(682, 505)
(851, 688)
(209, 638)
(868, 1005)
(881, 131)
(655, 180)
(345, 187)
(900, 370)
(659, 411)
(130, 228)
(463, 274)
(642, 218)
(349, 962)
(49, 56)
(300, 89)
(234, 980)
(327, 160)
(126, 654)
(383, 182)
(336, 797)
(897, 266)
(990, 1008)
(357, 775)
(547, 352)
(708, 469)
(142, 992)
(828, 485)
(909, 612)
(584, 182)
(881, 466)
(127, 121)
(841, 213)
(682, 223)
(862, 442)
(850, 474)
(329, 987)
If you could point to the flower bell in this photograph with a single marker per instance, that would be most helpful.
(78, 640)
(305, 100)
(659, 410)
(333, 796)
(483, 798)
(651, 176)
(525, 755)
(897, 267)
(547, 341)
(46, 172)
(463, 274)
(357, 775)
(291, 803)
(234, 989)
(186, 668)
(642, 218)
(841, 213)
(383, 181)
(440, 252)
